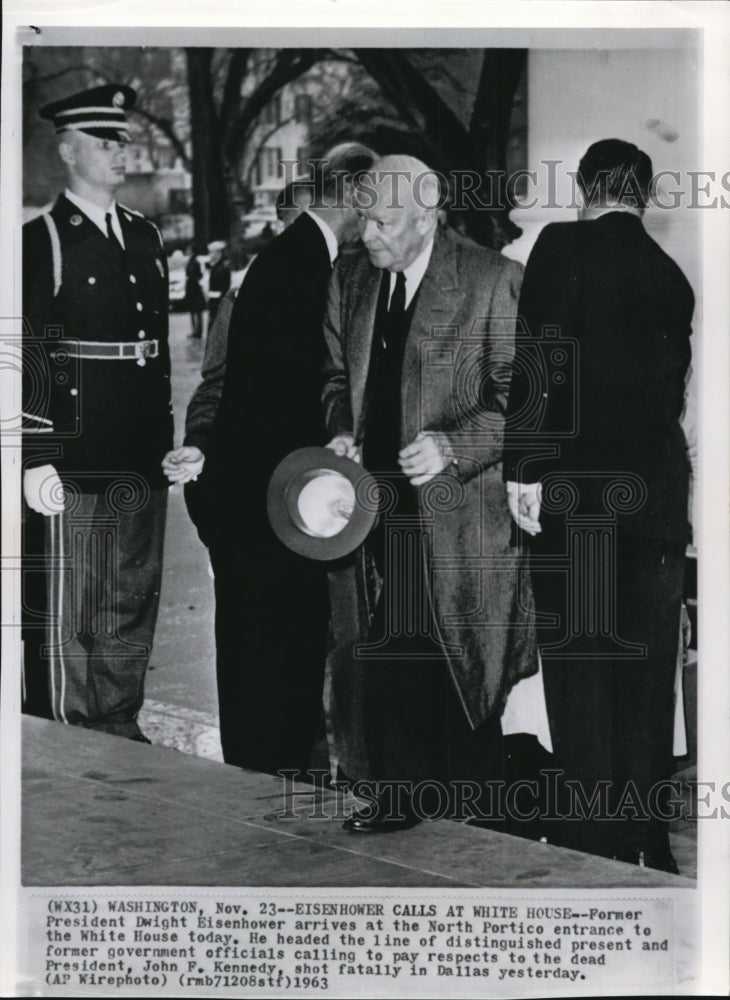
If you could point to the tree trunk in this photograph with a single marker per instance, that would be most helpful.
(210, 204)
(489, 130)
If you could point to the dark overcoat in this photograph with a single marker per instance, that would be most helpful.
(623, 309)
(271, 604)
(594, 416)
(270, 400)
(455, 379)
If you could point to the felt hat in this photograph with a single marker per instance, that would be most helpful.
(321, 505)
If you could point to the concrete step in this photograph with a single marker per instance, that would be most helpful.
(101, 810)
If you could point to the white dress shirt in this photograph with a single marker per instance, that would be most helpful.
(98, 215)
(413, 274)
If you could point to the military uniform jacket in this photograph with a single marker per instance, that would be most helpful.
(95, 419)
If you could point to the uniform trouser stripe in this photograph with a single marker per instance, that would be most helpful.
(55, 602)
(103, 582)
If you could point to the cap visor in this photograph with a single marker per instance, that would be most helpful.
(116, 134)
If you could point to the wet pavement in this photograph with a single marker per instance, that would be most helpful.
(145, 815)
(181, 702)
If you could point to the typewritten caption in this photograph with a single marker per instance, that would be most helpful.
(275, 944)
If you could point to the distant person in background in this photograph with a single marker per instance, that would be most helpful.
(219, 280)
(194, 298)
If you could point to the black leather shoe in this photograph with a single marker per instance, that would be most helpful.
(140, 738)
(383, 817)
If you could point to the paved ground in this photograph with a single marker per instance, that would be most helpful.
(150, 816)
(181, 706)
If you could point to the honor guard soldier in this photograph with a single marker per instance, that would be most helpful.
(98, 417)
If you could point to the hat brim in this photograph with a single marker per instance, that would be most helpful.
(115, 134)
(289, 478)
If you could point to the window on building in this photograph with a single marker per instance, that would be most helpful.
(165, 156)
(179, 200)
(271, 115)
(268, 165)
(278, 170)
(303, 108)
(302, 159)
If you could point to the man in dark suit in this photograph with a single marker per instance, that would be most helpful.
(98, 418)
(271, 605)
(598, 473)
(420, 336)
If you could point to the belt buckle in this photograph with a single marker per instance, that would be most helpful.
(143, 349)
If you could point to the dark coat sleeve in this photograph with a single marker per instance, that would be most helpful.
(38, 299)
(335, 393)
(543, 308)
(203, 405)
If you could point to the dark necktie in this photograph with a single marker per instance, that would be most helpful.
(398, 299)
(393, 319)
(111, 234)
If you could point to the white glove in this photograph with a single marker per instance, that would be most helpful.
(524, 501)
(43, 490)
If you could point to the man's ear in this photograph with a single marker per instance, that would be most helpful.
(66, 152)
(424, 223)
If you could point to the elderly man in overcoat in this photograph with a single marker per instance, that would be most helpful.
(431, 617)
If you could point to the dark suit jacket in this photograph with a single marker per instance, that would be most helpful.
(270, 403)
(96, 418)
(609, 399)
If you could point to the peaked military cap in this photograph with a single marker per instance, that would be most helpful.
(99, 112)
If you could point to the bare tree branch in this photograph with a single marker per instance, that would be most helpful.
(406, 88)
(289, 64)
(34, 81)
(262, 142)
(165, 126)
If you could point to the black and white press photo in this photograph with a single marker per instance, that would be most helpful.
(364, 459)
